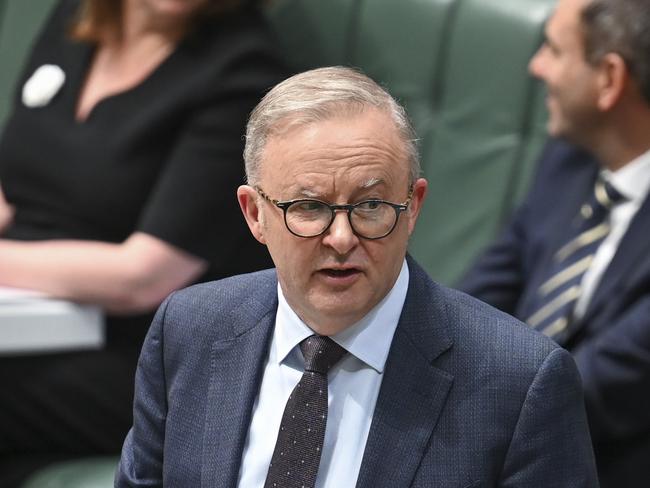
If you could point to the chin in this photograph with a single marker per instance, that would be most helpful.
(554, 128)
(338, 316)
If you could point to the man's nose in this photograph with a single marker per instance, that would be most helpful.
(340, 236)
(536, 63)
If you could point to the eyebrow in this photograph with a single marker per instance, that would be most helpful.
(307, 193)
(369, 183)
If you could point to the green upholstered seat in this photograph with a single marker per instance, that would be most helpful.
(460, 68)
(96, 472)
(478, 151)
(20, 21)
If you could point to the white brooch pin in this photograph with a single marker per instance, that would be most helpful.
(43, 85)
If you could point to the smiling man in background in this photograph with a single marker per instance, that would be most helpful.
(346, 365)
(575, 261)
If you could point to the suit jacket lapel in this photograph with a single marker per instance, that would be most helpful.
(237, 366)
(412, 394)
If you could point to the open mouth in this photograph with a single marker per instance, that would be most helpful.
(340, 273)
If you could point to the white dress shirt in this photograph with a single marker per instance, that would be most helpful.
(633, 182)
(353, 389)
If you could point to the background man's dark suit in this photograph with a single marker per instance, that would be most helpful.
(611, 343)
(470, 397)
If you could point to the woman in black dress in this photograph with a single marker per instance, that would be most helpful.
(118, 170)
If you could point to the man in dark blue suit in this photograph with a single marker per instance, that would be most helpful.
(346, 365)
(583, 280)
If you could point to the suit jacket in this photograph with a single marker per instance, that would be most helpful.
(611, 343)
(470, 397)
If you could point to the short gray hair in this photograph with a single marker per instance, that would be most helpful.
(622, 27)
(318, 95)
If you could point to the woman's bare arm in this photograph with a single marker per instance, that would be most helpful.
(134, 276)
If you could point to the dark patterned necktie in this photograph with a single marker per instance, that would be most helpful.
(300, 440)
(557, 296)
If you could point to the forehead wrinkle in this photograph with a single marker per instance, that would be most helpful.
(322, 189)
(334, 163)
(369, 149)
(319, 176)
(390, 147)
(318, 168)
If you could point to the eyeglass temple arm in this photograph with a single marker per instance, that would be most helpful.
(265, 196)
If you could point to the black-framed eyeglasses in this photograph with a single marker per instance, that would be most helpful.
(370, 219)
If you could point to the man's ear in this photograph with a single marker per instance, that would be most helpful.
(247, 197)
(612, 79)
(417, 199)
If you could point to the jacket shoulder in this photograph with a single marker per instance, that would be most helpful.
(221, 309)
(562, 161)
(478, 332)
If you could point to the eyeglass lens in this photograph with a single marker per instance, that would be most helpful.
(370, 219)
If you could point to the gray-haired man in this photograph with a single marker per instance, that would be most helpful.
(346, 365)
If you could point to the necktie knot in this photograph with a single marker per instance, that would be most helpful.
(606, 194)
(321, 353)
(603, 198)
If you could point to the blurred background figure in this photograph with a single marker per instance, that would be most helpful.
(575, 261)
(118, 169)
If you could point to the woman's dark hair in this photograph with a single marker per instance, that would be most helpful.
(97, 17)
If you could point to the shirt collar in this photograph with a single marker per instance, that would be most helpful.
(368, 340)
(633, 179)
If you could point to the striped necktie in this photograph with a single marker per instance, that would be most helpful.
(556, 297)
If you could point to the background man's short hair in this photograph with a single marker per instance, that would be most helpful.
(623, 27)
(318, 95)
